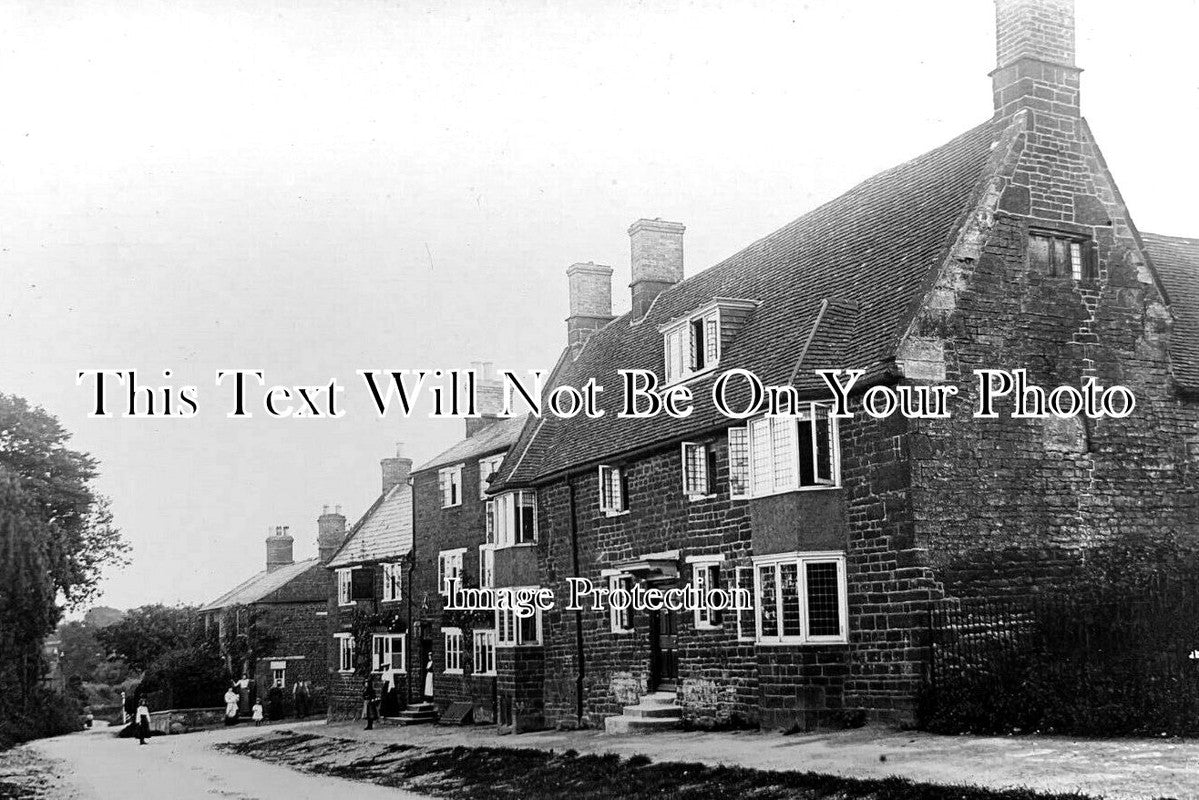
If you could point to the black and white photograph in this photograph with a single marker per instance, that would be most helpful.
(542, 400)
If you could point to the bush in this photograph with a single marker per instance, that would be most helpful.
(188, 677)
(47, 713)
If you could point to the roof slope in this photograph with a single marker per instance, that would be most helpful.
(1177, 263)
(259, 586)
(495, 437)
(867, 252)
(385, 531)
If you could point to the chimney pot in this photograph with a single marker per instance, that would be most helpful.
(395, 470)
(331, 532)
(278, 548)
(656, 254)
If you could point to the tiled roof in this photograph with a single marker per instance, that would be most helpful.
(868, 253)
(385, 531)
(261, 585)
(496, 437)
(1177, 262)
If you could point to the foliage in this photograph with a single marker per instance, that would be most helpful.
(46, 713)
(187, 677)
(147, 632)
(248, 634)
(81, 653)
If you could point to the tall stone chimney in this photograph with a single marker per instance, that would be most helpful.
(657, 260)
(279, 551)
(395, 469)
(331, 532)
(490, 393)
(590, 302)
(1034, 42)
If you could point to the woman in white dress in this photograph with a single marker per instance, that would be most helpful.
(231, 698)
(429, 679)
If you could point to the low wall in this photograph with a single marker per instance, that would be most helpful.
(182, 720)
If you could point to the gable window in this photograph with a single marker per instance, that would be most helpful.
(1063, 256)
(449, 567)
(344, 582)
(699, 470)
(388, 652)
(484, 652)
(613, 497)
(392, 582)
(486, 566)
(620, 620)
(449, 480)
(782, 454)
(453, 650)
(488, 467)
(345, 652)
(705, 576)
(515, 518)
(513, 631)
(692, 345)
(800, 598)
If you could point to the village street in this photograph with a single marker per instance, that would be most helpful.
(98, 766)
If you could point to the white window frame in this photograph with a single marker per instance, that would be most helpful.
(383, 647)
(738, 451)
(449, 565)
(508, 512)
(508, 627)
(680, 348)
(393, 582)
(449, 483)
(772, 433)
(345, 582)
(279, 676)
(706, 480)
(452, 643)
(801, 560)
(345, 652)
(612, 499)
(487, 566)
(620, 620)
(701, 573)
(487, 467)
(483, 651)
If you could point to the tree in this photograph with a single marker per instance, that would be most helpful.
(147, 632)
(81, 652)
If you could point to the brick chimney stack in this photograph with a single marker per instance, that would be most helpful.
(279, 551)
(590, 302)
(331, 532)
(657, 260)
(1035, 58)
(490, 393)
(395, 469)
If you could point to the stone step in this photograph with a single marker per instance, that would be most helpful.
(653, 712)
(640, 725)
(658, 699)
(416, 714)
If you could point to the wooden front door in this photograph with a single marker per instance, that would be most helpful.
(663, 642)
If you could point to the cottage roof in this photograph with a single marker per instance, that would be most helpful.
(1177, 262)
(495, 438)
(836, 287)
(384, 531)
(260, 586)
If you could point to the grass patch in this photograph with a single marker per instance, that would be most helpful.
(489, 773)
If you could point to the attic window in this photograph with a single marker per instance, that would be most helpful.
(693, 344)
(1060, 255)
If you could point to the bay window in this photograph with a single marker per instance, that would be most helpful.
(785, 453)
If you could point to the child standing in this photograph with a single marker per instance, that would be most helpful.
(257, 713)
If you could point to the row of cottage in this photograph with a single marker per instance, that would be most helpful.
(1009, 247)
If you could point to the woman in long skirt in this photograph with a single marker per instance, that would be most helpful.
(369, 710)
(142, 720)
(231, 699)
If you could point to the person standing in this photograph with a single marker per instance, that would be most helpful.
(429, 679)
(369, 711)
(257, 713)
(301, 699)
(142, 720)
(231, 699)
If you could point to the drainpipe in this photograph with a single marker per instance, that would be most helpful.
(574, 556)
(411, 628)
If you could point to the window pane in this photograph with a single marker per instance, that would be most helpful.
(745, 619)
(711, 339)
(782, 452)
(738, 461)
(528, 630)
(1038, 254)
(1076, 260)
(789, 592)
(767, 602)
(824, 611)
(824, 449)
(763, 475)
(698, 349)
(807, 453)
(1061, 257)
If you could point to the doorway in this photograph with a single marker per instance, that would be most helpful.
(663, 643)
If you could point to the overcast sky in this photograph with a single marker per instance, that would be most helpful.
(314, 187)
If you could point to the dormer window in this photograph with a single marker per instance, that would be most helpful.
(693, 344)
(1061, 255)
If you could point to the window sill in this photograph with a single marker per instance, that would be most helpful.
(483, 674)
(803, 642)
(451, 672)
(695, 498)
(610, 513)
(623, 631)
(791, 490)
(708, 627)
(347, 605)
(514, 545)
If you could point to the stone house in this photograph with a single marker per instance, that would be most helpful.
(369, 604)
(454, 530)
(1009, 247)
(272, 626)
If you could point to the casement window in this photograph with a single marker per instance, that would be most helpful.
(783, 454)
(389, 651)
(745, 617)
(613, 491)
(453, 650)
(449, 480)
(449, 567)
(692, 345)
(392, 582)
(484, 652)
(515, 518)
(699, 470)
(345, 580)
(513, 631)
(620, 620)
(486, 566)
(1062, 255)
(705, 575)
(279, 674)
(489, 522)
(345, 652)
(800, 598)
(488, 467)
